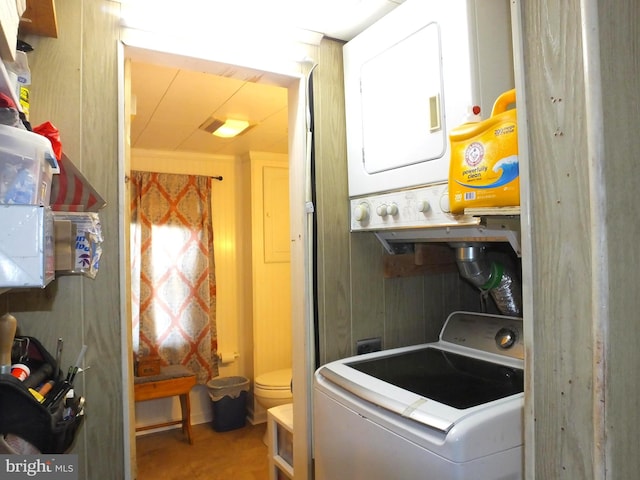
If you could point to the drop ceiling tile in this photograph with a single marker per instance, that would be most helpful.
(158, 136)
(195, 96)
(149, 83)
(203, 142)
(173, 102)
(253, 102)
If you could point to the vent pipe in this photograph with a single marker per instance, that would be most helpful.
(488, 276)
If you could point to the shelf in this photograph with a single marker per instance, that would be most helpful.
(39, 18)
(492, 211)
(490, 229)
(10, 12)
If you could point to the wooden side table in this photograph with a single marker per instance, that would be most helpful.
(172, 380)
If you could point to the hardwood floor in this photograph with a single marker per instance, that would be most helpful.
(237, 454)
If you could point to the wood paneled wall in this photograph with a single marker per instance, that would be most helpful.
(580, 261)
(74, 85)
(354, 300)
(614, 163)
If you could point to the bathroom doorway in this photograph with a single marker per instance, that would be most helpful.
(295, 83)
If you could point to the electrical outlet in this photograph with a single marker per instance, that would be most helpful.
(368, 345)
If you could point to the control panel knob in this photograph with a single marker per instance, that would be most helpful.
(506, 338)
(392, 209)
(444, 203)
(361, 212)
(382, 210)
(424, 206)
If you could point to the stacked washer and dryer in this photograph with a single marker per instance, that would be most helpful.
(451, 409)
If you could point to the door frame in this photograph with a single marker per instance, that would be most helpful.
(293, 75)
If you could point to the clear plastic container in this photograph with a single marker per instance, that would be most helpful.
(26, 246)
(27, 165)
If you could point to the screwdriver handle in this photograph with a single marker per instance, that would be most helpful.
(8, 325)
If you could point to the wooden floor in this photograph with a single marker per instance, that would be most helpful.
(237, 454)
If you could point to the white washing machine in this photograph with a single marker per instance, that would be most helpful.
(448, 410)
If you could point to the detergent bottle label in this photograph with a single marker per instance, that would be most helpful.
(484, 169)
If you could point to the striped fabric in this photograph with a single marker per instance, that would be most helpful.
(71, 192)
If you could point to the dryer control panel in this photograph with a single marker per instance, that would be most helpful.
(426, 206)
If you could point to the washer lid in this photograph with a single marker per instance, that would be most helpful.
(452, 379)
(277, 380)
(427, 384)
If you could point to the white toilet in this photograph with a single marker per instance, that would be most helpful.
(273, 388)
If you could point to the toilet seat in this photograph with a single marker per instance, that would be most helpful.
(276, 384)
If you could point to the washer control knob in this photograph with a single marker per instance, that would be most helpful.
(392, 209)
(424, 206)
(444, 203)
(506, 338)
(361, 212)
(382, 210)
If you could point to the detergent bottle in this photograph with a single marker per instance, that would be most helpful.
(483, 170)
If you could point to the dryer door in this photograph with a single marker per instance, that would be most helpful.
(401, 99)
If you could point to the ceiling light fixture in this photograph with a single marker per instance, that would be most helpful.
(231, 128)
(227, 129)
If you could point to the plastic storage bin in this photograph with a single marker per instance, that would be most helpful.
(229, 402)
(27, 165)
(26, 246)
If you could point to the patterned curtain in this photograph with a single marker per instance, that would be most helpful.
(173, 274)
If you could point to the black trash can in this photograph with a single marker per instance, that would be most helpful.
(228, 402)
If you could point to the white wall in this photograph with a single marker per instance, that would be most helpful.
(270, 267)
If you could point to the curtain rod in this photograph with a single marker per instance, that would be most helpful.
(217, 177)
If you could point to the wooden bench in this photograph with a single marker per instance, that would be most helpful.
(172, 380)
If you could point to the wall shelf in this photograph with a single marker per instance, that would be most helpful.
(39, 18)
(493, 228)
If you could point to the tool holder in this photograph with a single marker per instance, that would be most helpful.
(50, 427)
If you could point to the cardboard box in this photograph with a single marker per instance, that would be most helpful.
(148, 366)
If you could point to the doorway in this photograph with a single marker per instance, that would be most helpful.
(294, 80)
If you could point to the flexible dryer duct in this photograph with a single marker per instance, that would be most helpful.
(490, 277)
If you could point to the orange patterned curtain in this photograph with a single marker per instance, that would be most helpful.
(173, 275)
